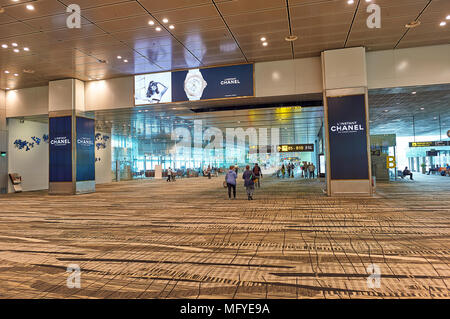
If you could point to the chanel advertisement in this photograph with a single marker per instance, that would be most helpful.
(348, 140)
(153, 88)
(194, 85)
(60, 159)
(213, 83)
(85, 149)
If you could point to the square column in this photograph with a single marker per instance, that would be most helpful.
(3, 145)
(72, 140)
(346, 122)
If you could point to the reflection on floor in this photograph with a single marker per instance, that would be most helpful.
(153, 239)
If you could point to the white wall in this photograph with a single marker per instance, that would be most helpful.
(27, 102)
(103, 172)
(408, 67)
(391, 68)
(300, 76)
(344, 68)
(31, 165)
(109, 94)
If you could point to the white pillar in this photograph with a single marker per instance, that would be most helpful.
(346, 122)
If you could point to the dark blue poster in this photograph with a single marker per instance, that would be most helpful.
(85, 149)
(213, 83)
(348, 140)
(60, 157)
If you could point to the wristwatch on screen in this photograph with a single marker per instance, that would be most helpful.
(194, 84)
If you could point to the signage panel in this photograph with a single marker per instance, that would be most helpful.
(429, 144)
(194, 85)
(60, 148)
(295, 148)
(85, 149)
(348, 137)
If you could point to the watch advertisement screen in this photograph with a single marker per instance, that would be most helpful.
(60, 148)
(195, 84)
(348, 137)
(85, 149)
(213, 83)
(153, 88)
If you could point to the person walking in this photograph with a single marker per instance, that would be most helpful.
(249, 182)
(312, 170)
(169, 175)
(230, 179)
(289, 169)
(283, 170)
(258, 175)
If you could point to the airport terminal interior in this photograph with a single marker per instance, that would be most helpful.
(231, 149)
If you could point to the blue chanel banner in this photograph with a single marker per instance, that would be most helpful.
(348, 140)
(85, 149)
(194, 85)
(60, 159)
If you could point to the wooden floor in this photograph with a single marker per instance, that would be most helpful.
(153, 239)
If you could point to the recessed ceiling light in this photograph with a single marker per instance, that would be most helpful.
(16, 50)
(263, 39)
(30, 7)
(151, 22)
(7, 72)
(386, 111)
(165, 20)
(350, 2)
(126, 61)
(443, 23)
(265, 44)
(7, 89)
(4, 46)
(368, 0)
(158, 29)
(26, 49)
(448, 17)
(16, 74)
(171, 27)
(14, 44)
(413, 93)
(422, 108)
(291, 38)
(434, 118)
(119, 57)
(413, 24)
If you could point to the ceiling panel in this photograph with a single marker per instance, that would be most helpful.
(205, 33)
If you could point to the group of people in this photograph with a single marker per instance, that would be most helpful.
(308, 170)
(251, 179)
(289, 169)
(170, 175)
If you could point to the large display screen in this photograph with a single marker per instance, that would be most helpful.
(347, 136)
(194, 85)
(60, 158)
(85, 149)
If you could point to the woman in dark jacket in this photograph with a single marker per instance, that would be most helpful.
(249, 182)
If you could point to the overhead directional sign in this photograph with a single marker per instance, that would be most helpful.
(287, 148)
(429, 144)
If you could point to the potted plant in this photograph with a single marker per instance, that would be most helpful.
(424, 168)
